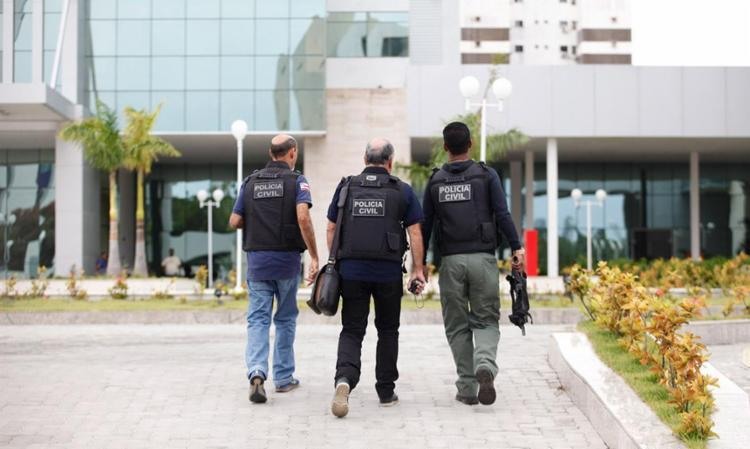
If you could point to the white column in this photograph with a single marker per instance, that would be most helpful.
(553, 267)
(529, 181)
(72, 48)
(37, 41)
(7, 40)
(695, 211)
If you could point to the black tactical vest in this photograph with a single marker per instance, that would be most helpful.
(270, 200)
(465, 222)
(372, 227)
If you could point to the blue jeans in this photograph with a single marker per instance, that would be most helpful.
(259, 323)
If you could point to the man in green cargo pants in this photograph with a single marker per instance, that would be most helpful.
(465, 202)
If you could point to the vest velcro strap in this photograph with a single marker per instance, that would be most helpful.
(453, 179)
(267, 175)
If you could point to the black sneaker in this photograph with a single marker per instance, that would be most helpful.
(468, 400)
(389, 401)
(257, 392)
(487, 393)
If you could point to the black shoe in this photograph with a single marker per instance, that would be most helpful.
(487, 393)
(389, 401)
(468, 400)
(257, 392)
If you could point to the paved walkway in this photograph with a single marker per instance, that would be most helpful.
(728, 359)
(163, 386)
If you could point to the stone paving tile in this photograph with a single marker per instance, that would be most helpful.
(183, 386)
(728, 360)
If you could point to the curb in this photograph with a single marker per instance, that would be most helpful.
(723, 332)
(617, 414)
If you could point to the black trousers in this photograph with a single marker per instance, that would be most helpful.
(354, 311)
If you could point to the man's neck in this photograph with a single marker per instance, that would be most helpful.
(288, 163)
(458, 157)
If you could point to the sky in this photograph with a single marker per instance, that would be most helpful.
(691, 32)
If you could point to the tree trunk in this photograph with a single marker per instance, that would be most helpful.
(113, 262)
(139, 266)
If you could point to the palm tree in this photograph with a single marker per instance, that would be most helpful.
(142, 150)
(99, 136)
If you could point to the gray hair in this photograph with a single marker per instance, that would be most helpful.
(379, 152)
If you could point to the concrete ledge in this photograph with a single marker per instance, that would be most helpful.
(731, 414)
(408, 317)
(721, 332)
(618, 415)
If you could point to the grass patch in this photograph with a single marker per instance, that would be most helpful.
(641, 379)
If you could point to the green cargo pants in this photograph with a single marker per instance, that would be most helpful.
(469, 294)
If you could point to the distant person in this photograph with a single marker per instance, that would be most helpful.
(171, 264)
(273, 211)
(101, 263)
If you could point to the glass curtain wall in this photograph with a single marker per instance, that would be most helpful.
(645, 198)
(211, 62)
(368, 34)
(27, 211)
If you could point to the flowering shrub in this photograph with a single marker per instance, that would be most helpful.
(74, 289)
(39, 285)
(648, 327)
(120, 289)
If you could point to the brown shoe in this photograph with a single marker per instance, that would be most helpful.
(292, 385)
(257, 391)
(340, 404)
(487, 393)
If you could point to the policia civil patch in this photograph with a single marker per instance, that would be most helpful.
(368, 207)
(268, 189)
(454, 192)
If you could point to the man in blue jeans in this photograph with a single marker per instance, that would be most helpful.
(272, 209)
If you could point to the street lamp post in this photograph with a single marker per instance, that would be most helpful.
(239, 131)
(601, 195)
(469, 87)
(217, 195)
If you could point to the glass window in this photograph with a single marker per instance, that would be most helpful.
(133, 73)
(307, 37)
(202, 72)
(237, 37)
(103, 73)
(134, 9)
(278, 8)
(169, 37)
(52, 5)
(169, 9)
(203, 9)
(51, 27)
(387, 34)
(103, 37)
(135, 100)
(308, 8)
(202, 37)
(272, 72)
(172, 117)
(133, 37)
(237, 72)
(237, 8)
(104, 9)
(23, 31)
(108, 98)
(347, 39)
(272, 37)
(168, 73)
(308, 111)
(271, 110)
(22, 67)
(308, 72)
(236, 105)
(23, 175)
(202, 111)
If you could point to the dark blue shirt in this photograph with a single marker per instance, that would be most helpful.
(503, 219)
(376, 270)
(272, 265)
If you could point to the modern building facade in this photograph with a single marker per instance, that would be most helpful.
(670, 145)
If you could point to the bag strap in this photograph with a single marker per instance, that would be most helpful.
(343, 193)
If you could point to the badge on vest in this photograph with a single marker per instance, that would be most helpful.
(268, 189)
(366, 207)
(454, 192)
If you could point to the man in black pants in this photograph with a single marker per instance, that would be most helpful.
(380, 209)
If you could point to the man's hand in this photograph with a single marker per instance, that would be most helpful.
(418, 274)
(518, 260)
(426, 273)
(312, 272)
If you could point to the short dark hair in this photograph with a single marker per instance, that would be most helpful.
(281, 149)
(457, 137)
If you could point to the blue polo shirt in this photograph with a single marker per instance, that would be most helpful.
(368, 270)
(273, 265)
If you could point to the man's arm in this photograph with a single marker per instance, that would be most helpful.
(236, 221)
(505, 221)
(308, 235)
(429, 217)
(330, 231)
(417, 255)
